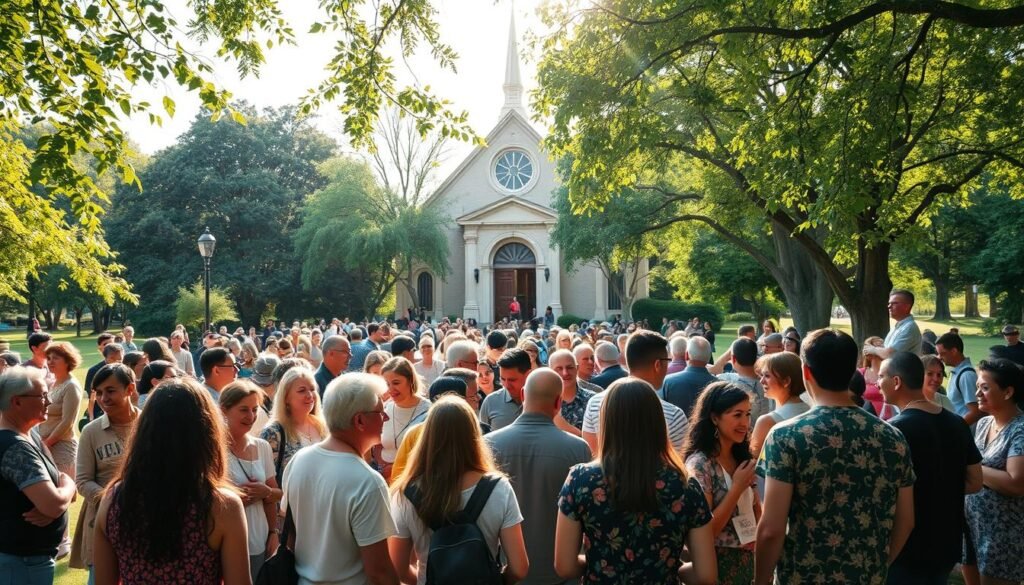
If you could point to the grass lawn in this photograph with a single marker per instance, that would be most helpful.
(976, 347)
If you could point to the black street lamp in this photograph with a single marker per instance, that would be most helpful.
(206, 245)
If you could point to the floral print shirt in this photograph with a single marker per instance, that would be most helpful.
(711, 478)
(573, 411)
(846, 468)
(632, 548)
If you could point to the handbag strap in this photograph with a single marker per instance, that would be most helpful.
(280, 454)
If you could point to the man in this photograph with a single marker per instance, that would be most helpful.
(608, 360)
(102, 341)
(677, 348)
(537, 457)
(501, 407)
(339, 504)
(375, 336)
(772, 343)
(1014, 349)
(748, 331)
(841, 479)
(586, 364)
(36, 494)
(428, 368)
(744, 355)
(963, 379)
(947, 465)
(905, 334)
(37, 344)
(693, 328)
(268, 330)
(574, 397)
(404, 346)
(514, 310)
(219, 370)
(128, 332)
(497, 343)
(181, 355)
(473, 393)
(337, 353)
(684, 388)
(210, 340)
(664, 326)
(462, 354)
(647, 358)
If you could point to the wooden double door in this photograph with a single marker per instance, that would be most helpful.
(520, 283)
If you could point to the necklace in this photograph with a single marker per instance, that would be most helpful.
(412, 418)
(913, 402)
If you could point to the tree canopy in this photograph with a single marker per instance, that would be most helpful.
(76, 65)
(841, 136)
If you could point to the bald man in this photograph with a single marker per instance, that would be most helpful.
(537, 457)
(574, 396)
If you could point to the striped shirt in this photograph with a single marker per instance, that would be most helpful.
(675, 420)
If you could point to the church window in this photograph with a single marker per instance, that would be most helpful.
(425, 291)
(514, 169)
(514, 254)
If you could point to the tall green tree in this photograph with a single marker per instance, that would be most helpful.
(354, 226)
(77, 65)
(839, 123)
(247, 184)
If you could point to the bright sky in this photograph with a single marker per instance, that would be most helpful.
(476, 29)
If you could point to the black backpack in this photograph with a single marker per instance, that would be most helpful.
(458, 553)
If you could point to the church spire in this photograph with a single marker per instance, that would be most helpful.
(513, 85)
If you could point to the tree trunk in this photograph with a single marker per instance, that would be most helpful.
(808, 294)
(971, 305)
(78, 321)
(941, 299)
(993, 306)
(868, 298)
(48, 319)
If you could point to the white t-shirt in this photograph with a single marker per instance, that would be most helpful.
(394, 430)
(242, 471)
(429, 374)
(675, 420)
(339, 504)
(500, 511)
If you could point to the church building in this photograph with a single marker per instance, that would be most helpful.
(498, 205)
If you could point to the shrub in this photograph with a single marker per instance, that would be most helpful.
(565, 320)
(992, 327)
(741, 316)
(653, 310)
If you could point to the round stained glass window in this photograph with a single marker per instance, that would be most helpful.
(513, 170)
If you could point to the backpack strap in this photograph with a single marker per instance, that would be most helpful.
(280, 454)
(956, 381)
(478, 500)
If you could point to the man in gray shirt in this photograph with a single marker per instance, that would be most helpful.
(537, 457)
(501, 407)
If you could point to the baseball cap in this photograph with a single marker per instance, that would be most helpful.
(1010, 329)
(263, 369)
(402, 344)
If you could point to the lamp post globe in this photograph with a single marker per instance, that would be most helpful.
(206, 243)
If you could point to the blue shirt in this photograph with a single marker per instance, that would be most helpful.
(683, 388)
(359, 353)
(904, 336)
(963, 386)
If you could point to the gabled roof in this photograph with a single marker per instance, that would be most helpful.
(529, 213)
(494, 133)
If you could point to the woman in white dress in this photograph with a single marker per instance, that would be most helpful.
(406, 408)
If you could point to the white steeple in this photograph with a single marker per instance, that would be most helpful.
(513, 85)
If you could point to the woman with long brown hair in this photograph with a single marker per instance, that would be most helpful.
(170, 516)
(634, 503)
(448, 465)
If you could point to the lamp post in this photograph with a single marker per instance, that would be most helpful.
(206, 245)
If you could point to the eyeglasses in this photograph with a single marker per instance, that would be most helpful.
(1011, 334)
(45, 396)
(235, 366)
(383, 415)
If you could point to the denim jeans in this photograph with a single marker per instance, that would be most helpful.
(34, 570)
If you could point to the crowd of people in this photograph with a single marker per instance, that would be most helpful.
(423, 453)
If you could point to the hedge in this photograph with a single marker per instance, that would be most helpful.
(654, 310)
(565, 320)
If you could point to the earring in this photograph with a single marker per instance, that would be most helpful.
(716, 432)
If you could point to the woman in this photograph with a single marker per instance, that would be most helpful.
(636, 486)
(235, 347)
(58, 431)
(428, 368)
(136, 360)
(718, 456)
(934, 373)
(169, 516)
(484, 379)
(248, 359)
(869, 366)
(767, 328)
(316, 355)
(531, 348)
(251, 469)
(996, 513)
(34, 520)
(549, 318)
(783, 381)
(285, 349)
(375, 361)
(155, 349)
(448, 464)
(153, 375)
(406, 409)
(791, 340)
(563, 340)
(102, 447)
(709, 334)
(297, 419)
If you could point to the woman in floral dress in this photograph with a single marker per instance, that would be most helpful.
(995, 515)
(635, 504)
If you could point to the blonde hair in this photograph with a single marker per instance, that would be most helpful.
(451, 445)
(403, 367)
(254, 353)
(280, 411)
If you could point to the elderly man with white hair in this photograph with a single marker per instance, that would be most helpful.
(462, 354)
(340, 505)
(608, 360)
(683, 388)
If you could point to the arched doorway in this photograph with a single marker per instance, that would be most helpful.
(515, 276)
